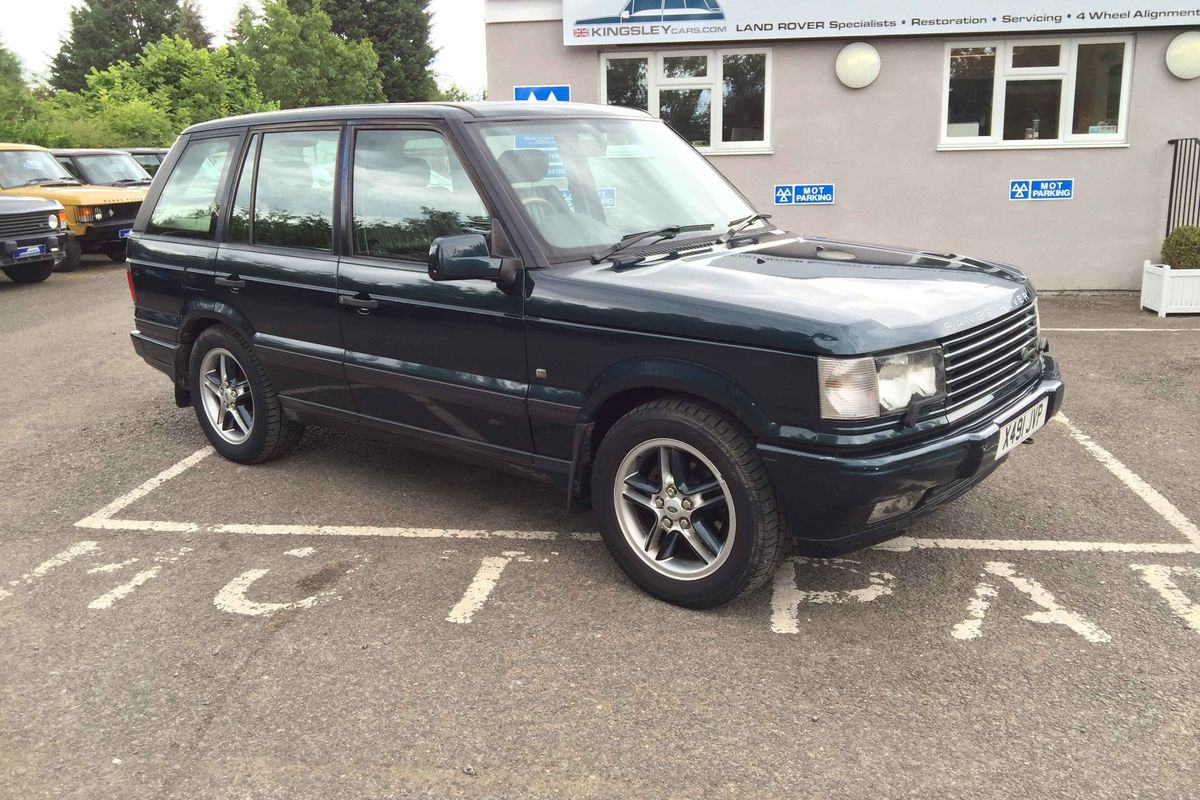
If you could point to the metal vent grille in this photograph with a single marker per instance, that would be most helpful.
(990, 361)
(25, 224)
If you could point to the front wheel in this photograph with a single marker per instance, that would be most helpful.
(72, 253)
(686, 507)
(30, 273)
(234, 401)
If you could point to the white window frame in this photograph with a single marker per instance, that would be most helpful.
(715, 81)
(1066, 71)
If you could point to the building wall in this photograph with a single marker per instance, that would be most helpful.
(879, 145)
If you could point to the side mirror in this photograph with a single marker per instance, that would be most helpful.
(461, 258)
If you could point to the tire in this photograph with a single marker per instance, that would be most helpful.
(30, 273)
(72, 252)
(703, 569)
(115, 252)
(269, 434)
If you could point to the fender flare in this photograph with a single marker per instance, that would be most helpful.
(199, 311)
(664, 374)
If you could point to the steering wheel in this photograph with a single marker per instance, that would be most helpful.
(530, 202)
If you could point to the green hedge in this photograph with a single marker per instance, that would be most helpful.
(1182, 248)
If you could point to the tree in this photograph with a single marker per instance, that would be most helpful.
(399, 31)
(300, 61)
(189, 84)
(103, 32)
(16, 100)
(190, 25)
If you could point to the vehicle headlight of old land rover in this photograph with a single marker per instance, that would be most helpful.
(574, 293)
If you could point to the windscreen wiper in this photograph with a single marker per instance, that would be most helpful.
(738, 225)
(130, 181)
(35, 181)
(668, 232)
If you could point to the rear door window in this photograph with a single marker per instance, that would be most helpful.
(293, 191)
(410, 188)
(187, 206)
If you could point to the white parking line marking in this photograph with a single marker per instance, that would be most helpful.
(1159, 578)
(481, 587)
(1149, 495)
(301, 552)
(112, 567)
(54, 562)
(786, 597)
(105, 519)
(126, 500)
(107, 599)
(232, 597)
(1052, 613)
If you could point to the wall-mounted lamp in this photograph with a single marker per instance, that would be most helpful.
(1183, 55)
(858, 65)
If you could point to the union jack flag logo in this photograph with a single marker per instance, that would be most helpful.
(581, 33)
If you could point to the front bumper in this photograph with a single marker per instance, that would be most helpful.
(101, 233)
(16, 250)
(828, 499)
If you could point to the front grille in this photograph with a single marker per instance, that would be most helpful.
(121, 211)
(990, 361)
(25, 224)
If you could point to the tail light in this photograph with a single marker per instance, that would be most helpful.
(129, 278)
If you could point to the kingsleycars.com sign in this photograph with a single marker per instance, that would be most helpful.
(598, 22)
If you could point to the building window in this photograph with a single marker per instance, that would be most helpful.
(1036, 93)
(719, 100)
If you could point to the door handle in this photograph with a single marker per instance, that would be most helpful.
(233, 282)
(362, 304)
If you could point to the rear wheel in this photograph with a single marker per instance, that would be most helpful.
(234, 401)
(686, 507)
(72, 252)
(36, 272)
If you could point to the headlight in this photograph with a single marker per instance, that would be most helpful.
(52, 221)
(99, 212)
(866, 388)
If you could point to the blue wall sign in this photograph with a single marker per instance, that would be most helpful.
(805, 194)
(542, 94)
(1042, 189)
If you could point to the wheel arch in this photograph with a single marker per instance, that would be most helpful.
(635, 382)
(198, 317)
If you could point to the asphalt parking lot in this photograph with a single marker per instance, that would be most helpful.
(359, 620)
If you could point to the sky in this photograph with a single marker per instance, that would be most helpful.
(32, 31)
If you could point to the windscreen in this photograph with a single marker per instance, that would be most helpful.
(585, 183)
(111, 169)
(30, 167)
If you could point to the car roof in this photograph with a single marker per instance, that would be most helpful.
(86, 151)
(18, 146)
(141, 151)
(465, 111)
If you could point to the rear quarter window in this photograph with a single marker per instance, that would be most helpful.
(187, 206)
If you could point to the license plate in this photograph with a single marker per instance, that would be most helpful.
(124, 233)
(1022, 427)
(30, 250)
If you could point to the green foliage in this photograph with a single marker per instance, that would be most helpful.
(104, 32)
(190, 25)
(1182, 248)
(17, 103)
(399, 31)
(300, 62)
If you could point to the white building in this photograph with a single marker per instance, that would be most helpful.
(962, 116)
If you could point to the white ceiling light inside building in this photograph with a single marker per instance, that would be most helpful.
(858, 65)
(1183, 55)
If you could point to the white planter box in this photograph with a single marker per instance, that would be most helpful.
(1170, 291)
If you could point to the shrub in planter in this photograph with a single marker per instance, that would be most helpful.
(1182, 248)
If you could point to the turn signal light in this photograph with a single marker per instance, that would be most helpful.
(83, 214)
(62, 218)
(129, 278)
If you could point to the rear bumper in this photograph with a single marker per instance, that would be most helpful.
(155, 352)
(829, 498)
(15, 250)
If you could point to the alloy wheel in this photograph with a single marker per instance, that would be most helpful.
(225, 395)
